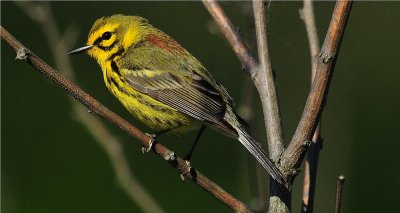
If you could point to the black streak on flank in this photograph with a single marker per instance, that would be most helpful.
(115, 68)
(117, 86)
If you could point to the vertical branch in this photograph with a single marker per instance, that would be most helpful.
(339, 192)
(265, 79)
(307, 14)
(311, 164)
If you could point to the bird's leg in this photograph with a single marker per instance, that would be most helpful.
(199, 134)
(188, 156)
(153, 137)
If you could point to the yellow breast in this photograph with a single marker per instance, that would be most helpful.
(151, 112)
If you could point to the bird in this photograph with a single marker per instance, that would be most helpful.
(162, 85)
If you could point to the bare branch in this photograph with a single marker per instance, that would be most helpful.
(233, 37)
(311, 164)
(264, 77)
(307, 14)
(339, 192)
(97, 108)
(310, 172)
(294, 153)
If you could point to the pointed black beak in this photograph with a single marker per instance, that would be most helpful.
(80, 49)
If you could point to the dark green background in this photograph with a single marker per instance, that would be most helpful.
(50, 163)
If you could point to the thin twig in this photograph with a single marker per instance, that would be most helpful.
(311, 164)
(339, 192)
(293, 155)
(307, 14)
(97, 108)
(265, 79)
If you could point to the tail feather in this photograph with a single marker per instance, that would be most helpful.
(255, 149)
(232, 123)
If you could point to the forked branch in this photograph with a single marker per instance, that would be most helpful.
(260, 74)
(293, 155)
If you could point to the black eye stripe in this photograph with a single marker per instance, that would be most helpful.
(97, 41)
(107, 48)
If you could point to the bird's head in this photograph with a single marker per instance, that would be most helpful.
(113, 34)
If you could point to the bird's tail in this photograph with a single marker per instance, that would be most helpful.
(255, 149)
(251, 145)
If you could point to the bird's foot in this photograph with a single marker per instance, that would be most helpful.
(152, 142)
(189, 168)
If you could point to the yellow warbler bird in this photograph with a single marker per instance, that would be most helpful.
(162, 84)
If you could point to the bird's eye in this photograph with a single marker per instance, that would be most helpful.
(106, 35)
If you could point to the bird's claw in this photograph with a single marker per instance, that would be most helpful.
(188, 171)
(151, 143)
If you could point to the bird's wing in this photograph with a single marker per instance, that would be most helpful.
(189, 94)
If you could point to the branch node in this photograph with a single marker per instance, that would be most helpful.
(326, 57)
(92, 112)
(307, 143)
(239, 32)
(169, 156)
(253, 74)
(22, 53)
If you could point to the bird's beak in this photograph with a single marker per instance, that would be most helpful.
(80, 49)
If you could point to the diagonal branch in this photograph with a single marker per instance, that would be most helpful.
(262, 77)
(293, 155)
(232, 35)
(97, 108)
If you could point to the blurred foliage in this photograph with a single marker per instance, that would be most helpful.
(51, 164)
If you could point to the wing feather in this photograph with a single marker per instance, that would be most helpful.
(191, 95)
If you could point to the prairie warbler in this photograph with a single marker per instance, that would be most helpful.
(162, 84)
